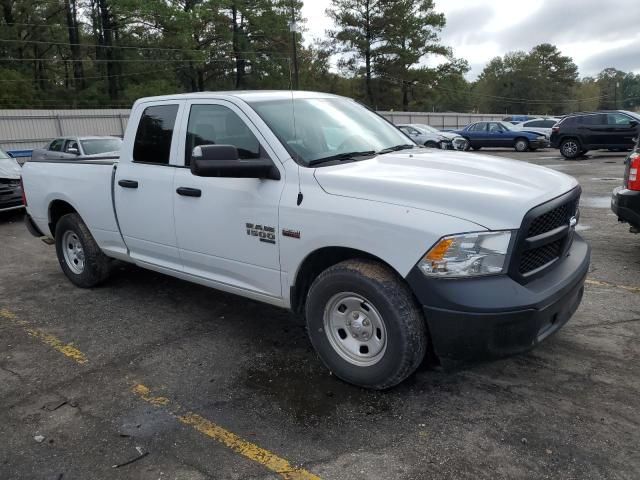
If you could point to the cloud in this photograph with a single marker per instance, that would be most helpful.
(626, 59)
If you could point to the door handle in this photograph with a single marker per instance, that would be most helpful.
(128, 183)
(189, 192)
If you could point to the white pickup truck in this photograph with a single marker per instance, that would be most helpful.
(312, 202)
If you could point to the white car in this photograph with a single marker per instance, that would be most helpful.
(432, 137)
(539, 125)
(388, 249)
(73, 147)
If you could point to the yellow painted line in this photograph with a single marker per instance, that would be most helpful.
(67, 349)
(245, 448)
(601, 283)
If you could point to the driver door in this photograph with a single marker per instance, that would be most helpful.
(227, 228)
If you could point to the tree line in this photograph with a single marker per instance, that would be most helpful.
(107, 53)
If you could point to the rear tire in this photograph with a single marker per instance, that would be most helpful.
(365, 324)
(475, 149)
(79, 256)
(570, 148)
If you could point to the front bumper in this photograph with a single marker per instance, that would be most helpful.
(538, 144)
(626, 205)
(10, 197)
(496, 316)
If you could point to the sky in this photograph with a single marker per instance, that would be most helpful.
(595, 33)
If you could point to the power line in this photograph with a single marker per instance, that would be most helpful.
(130, 60)
(131, 47)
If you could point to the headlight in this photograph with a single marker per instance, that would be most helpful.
(467, 255)
(543, 137)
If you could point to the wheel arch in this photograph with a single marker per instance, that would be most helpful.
(316, 262)
(57, 209)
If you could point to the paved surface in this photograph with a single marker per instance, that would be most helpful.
(209, 385)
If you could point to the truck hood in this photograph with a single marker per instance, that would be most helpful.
(492, 192)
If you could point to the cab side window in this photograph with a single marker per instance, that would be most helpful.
(56, 145)
(219, 125)
(478, 127)
(71, 144)
(153, 138)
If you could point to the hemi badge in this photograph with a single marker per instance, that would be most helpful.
(290, 233)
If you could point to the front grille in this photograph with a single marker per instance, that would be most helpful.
(544, 242)
(555, 218)
(538, 257)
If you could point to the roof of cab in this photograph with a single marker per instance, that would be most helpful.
(246, 95)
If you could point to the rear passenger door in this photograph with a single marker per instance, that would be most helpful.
(143, 190)
(54, 151)
(228, 233)
(594, 130)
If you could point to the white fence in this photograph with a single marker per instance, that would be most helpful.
(28, 129)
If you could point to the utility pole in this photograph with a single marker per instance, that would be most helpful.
(293, 28)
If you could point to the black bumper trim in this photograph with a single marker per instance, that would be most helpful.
(32, 227)
(626, 205)
(497, 316)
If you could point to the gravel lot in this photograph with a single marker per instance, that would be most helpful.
(202, 381)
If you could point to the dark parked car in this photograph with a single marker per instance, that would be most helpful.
(625, 201)
(578, 133)
(501, 134)
(10, 190)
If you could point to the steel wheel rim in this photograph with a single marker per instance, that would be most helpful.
(355, 329)
(570, 148)
(73, 252)
(521, 146)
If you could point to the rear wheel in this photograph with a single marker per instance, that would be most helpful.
(365, 324)
(521, 145)
(79, 256)
(475, 149)
(570, 148)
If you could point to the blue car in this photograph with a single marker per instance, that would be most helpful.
(501, 134)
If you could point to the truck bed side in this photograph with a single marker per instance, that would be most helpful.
(86, 185)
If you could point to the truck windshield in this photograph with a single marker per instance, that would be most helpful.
(95, 146)
(329, 128)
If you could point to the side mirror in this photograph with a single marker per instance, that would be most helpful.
(73, 151)
(224, 161)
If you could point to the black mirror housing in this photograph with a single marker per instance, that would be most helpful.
(224, 161)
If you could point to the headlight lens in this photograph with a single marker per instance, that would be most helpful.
(467, 255)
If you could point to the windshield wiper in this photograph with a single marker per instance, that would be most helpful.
(342, 156)
(396, 148)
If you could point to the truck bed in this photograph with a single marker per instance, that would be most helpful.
(84, 183)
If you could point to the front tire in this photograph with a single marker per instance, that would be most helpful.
(570, 148)
(431, 144)
(79, 255)
(365, 324)
(521, 145)
(475, 149)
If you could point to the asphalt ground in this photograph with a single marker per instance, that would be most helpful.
(191, 383)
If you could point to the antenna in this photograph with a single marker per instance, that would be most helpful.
(295, 135)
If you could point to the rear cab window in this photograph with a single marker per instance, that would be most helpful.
(56, 145)
(155, 131)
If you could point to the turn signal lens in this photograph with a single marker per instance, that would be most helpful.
(467, 254)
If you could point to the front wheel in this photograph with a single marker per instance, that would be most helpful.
(365, 324)
(475, 149)
(431, 144)
(79, 255)
(521, 145)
